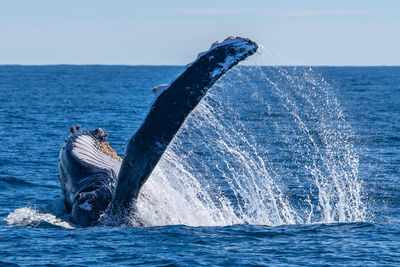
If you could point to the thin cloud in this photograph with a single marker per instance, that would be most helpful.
(321, 12)
(211, 11)
(275, 12)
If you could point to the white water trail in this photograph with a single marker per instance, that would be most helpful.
(265, 146)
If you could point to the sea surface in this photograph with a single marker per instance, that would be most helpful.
(277, 166)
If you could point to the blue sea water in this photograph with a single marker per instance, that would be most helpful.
(277, 166)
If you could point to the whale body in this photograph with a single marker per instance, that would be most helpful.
(95, 180)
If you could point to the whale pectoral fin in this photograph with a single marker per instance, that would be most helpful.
(169, 111)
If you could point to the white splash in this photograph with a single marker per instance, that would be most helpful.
(33, 218)
(216, 172)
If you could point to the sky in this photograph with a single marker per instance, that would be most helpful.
(173, 32)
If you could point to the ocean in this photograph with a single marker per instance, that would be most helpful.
(277, 166)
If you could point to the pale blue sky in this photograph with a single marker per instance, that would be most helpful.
(172, 32)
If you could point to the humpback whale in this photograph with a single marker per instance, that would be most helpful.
(96, 181)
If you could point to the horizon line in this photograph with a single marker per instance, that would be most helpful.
(173, 65)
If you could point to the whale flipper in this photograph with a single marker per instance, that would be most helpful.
(170, 110)
(91, 174)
